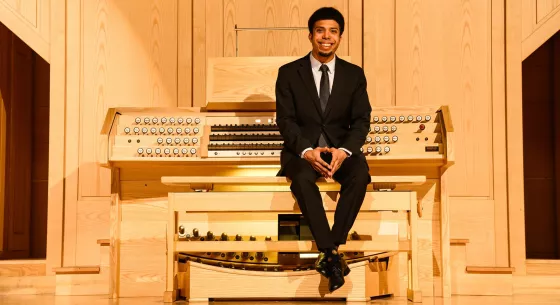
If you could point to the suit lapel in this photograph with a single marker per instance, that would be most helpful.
(307, 78)
(337, 85)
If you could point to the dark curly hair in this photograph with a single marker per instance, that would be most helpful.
(326, 13)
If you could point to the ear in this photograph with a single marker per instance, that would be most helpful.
(310, 36)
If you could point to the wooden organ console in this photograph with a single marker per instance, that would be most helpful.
(197, 210)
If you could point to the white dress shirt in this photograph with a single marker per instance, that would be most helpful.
(316, 70)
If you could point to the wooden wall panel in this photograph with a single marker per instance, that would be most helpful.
(40, 159)
(19, 153)
(30, 21)
(443, 58)
(129, 58)
(379, 51)
(57, 156)
(93, 224)
(249, 15)
(24, 125)
(540, 20)
(499, 155)
(541, 156)
(545, 7)
(27, 9)
(214, 35)
(184, 53)
(473, 219)
(5, 55)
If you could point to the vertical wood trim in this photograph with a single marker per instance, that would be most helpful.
(514, 129)
(229, 28)
(208, 34)
(114, 234)
(556, 119)
(72, 118)
(529, 18)
(445, 235)
(355, 31)
(43, 18)
(214, 36)
(170, 285)
(499, 135)
(56, 135)
(199, 53)
(6, 76)
(184, 53)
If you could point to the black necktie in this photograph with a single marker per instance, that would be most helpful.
(324, 91)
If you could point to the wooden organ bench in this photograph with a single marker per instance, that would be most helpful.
(200, 282)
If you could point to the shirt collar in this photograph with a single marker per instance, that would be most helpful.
(315, 64)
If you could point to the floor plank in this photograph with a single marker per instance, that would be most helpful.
(455, 300)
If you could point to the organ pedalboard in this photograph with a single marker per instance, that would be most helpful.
(262, 261)
(172, 135)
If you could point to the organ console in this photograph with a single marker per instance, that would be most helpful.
(397, 134)
(236, 135)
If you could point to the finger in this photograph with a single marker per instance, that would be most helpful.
(333, 161)
(335, 167)
(321, 168)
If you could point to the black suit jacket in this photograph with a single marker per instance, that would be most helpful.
(299, 116)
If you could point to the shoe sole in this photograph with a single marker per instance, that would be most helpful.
(321, 271)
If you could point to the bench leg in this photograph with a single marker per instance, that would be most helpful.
(170, 294)
(414, 293)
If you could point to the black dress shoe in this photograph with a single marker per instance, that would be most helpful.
(321, 265)
(336, 278)
(345, 268)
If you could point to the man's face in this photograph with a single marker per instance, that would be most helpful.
(325, 38)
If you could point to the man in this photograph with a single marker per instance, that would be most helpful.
(323, 114)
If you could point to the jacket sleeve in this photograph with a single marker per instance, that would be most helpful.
(361, 117)
(286, 115)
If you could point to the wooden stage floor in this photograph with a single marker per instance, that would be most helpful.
(455, 300)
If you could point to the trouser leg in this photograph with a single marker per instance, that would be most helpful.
(309, 199)
(353, 176)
